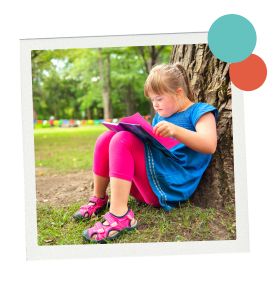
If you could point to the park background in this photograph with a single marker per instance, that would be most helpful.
(74, 90)
(236, 275)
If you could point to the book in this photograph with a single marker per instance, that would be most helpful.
(137, 125)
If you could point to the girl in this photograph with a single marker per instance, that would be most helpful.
(141, 170)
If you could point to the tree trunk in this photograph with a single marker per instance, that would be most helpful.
(209, 78)
(34, 114)
(129, 101)
(88, 113)
(104, 71)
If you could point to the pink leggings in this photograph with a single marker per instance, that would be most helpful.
(122, 155)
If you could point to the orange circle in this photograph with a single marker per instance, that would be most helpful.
(248, 74)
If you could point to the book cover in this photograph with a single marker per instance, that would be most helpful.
(144, 130)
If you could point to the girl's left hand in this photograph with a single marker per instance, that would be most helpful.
(165, 129)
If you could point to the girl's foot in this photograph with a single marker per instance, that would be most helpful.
(94, 206)
(111, 228)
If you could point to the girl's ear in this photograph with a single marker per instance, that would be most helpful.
(179, 91)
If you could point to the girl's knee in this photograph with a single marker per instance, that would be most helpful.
(125, 137)
(107, 134)
(105, 137)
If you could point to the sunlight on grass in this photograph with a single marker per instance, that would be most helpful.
(62, 150)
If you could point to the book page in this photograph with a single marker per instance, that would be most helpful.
(138, 119)
(113, 126)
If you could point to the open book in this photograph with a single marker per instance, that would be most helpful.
(144, 130)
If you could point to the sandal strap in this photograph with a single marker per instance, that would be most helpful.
(115, 221)
(130, 214)
(95, 200)
(92, 200)
(112, 220)
(94, 204)
(97, 228)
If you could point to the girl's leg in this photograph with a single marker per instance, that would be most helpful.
(100, 185)
(140, 188)
(100, 165)
(120, 190)
(101, 178)
(127, 163)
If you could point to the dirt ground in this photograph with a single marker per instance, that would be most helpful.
(63, 189)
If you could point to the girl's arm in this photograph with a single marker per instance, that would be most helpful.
(203, 140)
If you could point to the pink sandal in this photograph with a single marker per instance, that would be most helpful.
(119, 224)
(94, 206)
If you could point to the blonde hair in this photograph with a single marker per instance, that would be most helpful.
(166, 79)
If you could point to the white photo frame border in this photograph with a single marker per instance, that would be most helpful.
(33, 250)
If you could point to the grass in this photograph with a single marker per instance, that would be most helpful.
(186, 223)
(63, 150)
(60, 151)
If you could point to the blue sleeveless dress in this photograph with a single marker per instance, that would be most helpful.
(174, 180)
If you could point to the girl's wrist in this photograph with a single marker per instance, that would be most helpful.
(174, 133)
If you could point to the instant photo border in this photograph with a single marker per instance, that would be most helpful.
(34, 251)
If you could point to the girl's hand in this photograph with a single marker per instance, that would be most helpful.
(165, 129)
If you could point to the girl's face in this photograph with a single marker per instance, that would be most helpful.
(165, 105)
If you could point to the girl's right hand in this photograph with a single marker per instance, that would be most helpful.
(165, 129)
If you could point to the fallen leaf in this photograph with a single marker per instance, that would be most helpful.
(48, 241)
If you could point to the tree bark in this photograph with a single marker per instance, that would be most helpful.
(104, 71)
(209, 79)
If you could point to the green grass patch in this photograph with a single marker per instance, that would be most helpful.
(62, 150)
(186, 223)
(67, 150)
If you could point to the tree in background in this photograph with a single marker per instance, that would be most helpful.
(93, 83)
(83, 67)
(104, 62)
(209, 78)
(53, 92)
(128, 77)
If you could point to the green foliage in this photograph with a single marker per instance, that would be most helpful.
(67, 84)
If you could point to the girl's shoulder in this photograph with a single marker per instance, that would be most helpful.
(189, 116)
(201, 108)
(203, 105)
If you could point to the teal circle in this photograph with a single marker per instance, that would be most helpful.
(232, 38)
